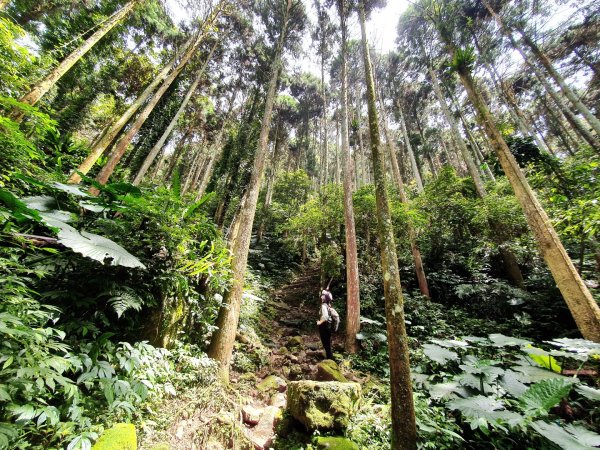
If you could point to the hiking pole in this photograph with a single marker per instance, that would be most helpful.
(328, 284)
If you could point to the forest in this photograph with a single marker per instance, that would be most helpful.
(185, 184)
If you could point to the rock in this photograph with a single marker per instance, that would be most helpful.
(313, 345)
(121, 436)
(295, 373)
(248, 376)
(328, 370)
(272, 383)
(278, 400)
(161, 446)
(292, 358)
(225, 418)
(262, 435)
(295, 341)
(323, 405)
(283, 351)
(214, 445)
(334, 443)
(250, 415)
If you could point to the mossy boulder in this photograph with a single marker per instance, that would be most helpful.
(323, 405)
(334, 443)
(295, 342)
(328, 370)
(121, 436)
(272, 383)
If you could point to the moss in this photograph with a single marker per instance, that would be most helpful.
(334, 443)
(122, 436)
(323, 405)
(271, 383)
(295, 341)
(161, 447)
(328, 370)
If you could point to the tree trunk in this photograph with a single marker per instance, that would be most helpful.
(221, 345)
(121, 147)
(583, 307)
(566, 90)
(271, 173)
(458, 140)
(352, 279)
(412, 235)
(99, 148)
(159, 145)
(411, 153)
(581, 128)
(404, 432)
(42, 87)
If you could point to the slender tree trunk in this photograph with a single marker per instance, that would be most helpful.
(176, 155)
(221, 345)
(564, 87)
(412, 235)
(583, 307)
(121, 147)
(411, 153)
(337, 152)
(42, 87)
(159, 145)
(458, 140)
(271, 173)
(191, 174)
(352, 280)
(404, 431)
(100, 147)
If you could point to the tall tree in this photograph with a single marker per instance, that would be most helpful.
(109, 136)
(159, 145)
(404, 431)
(582, 305)
(352, 280)
(43, 86)
(121, 147)
(291, 18)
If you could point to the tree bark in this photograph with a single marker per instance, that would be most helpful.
(100, 147)
(221, 345)
(352, 279)
(404, 431)
(42, 87)
(159, 145)
(411, 153)
(583, 307)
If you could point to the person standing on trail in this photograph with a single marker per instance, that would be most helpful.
(324, 322)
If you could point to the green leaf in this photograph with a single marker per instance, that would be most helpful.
(543, 395)
(500, 340)
(569, 437)
(481, 410)
(439, 354)
(447, 390)
(543, 358)
(588, 392)
(510, 382)
(531, 374)
(93, 246)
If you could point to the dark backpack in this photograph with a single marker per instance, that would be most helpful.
(334, 318)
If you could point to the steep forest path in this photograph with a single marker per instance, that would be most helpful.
(289, 330)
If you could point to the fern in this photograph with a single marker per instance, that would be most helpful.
(125, 300)
(543, 395)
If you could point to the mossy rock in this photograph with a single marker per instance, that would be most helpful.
(334, 443)
(323, 405)
(121, 436)
(162, 446)
(295, 341)
(328, 370)
(272, 383)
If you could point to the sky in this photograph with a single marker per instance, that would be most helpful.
(381, 28)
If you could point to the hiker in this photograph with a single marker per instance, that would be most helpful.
(324, 321)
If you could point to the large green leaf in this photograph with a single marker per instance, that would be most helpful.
(481, 410)
(543, 395)
(569, 437)
(500, 340)
(511, 383)
(92, 245)
(443, 391)
(439, 354)
(531, 374)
